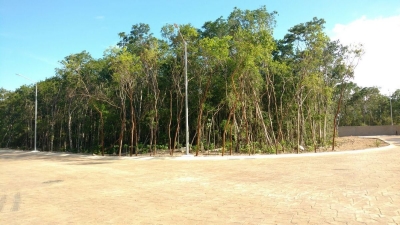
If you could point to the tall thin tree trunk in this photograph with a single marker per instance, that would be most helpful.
(121, 134)
(171, 152)
(178, 121)
(133, 125)
(70, 130)
(336, 116)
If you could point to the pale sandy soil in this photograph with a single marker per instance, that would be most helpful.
(341, 144)
(332, 188)
(357, 143)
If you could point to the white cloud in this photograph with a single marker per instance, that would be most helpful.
(380, 65)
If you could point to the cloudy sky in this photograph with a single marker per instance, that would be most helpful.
(36, 35)
(380, 37)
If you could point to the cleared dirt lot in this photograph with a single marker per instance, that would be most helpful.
(361, 187)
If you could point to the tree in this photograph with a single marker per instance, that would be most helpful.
(247, 92)
(343, 71)
(71, 75)
(127, 72)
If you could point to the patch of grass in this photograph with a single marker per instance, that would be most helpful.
(377, 143)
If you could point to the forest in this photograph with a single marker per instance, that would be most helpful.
(247, 92)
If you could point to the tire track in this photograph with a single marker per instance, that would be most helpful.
(3, 200)
(17, 201)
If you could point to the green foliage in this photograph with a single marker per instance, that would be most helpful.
(247, 92)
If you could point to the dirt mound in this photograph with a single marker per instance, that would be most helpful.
(357, 143)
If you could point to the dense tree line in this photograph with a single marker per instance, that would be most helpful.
(247, 92)
(369, 107)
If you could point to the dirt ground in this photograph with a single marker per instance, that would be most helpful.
(341, 144)
(357, 143)
(356, 187)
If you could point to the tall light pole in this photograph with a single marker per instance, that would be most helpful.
(391, 115)
(186, 94)
(35, 150)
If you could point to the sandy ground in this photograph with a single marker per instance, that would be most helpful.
(358, 143)
(341, 144)
(354, 187)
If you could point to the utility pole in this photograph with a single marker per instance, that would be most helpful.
(391, 114)
(186, 95)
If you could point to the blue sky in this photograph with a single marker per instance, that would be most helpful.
(36, 35)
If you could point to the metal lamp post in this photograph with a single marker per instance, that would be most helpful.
(35, 150)
(391, 115)
(186, 95)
